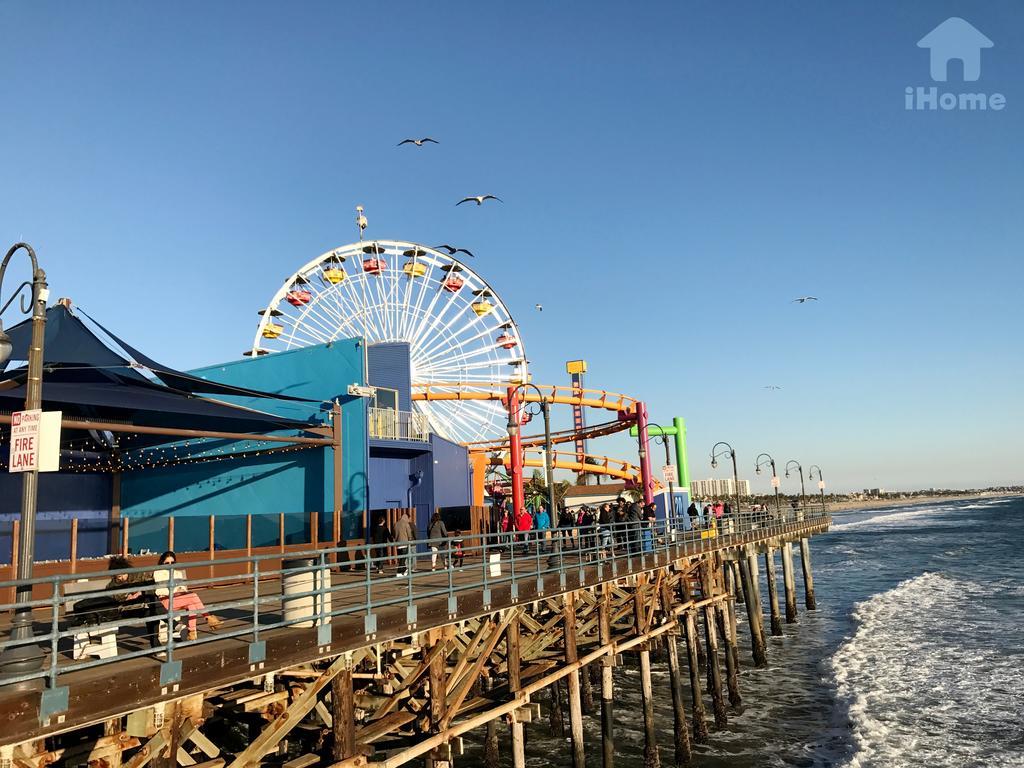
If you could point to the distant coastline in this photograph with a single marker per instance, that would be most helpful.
(855, 505)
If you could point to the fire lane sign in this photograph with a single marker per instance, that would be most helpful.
(35, 441)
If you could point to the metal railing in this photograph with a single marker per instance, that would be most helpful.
(390, 424)
(346, 582)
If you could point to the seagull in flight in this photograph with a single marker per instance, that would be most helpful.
(538, 307)
(478, 199)
(417, 142)
(802, 299)
(771, 386)
(452, 250)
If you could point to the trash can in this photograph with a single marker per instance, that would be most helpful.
(304, 575)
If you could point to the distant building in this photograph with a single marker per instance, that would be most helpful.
(874, 491)
(718, 488)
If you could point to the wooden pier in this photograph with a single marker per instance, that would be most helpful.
(441, 658)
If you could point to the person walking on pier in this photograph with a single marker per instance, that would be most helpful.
(524, 524)
(405, 538)
(605, 521)
(542, 522)
(182, 599)
(379, 539)
(435, 531)
(694, 514)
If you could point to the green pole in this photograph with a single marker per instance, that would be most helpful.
(681, 462)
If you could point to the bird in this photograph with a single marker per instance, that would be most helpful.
(452, 250)
(538, 307)
(802, 299)
(417, 142)
(771, 386)
(479, 199)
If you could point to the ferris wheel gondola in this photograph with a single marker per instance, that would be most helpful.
(460, 333)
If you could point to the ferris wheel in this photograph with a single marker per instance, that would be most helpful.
(460, 334)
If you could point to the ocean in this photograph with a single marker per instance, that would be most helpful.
(915, 656)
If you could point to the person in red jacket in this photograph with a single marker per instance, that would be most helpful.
(524, 524)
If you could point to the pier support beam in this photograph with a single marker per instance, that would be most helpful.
(773, 591)
(731, 671)
(491, 758)
(575, 705)
(700, 727)
(711, 633)
(604, 630)
(651, 759)
(805, 563)
(343, 716)
(556, 719)
(515, 683)
(789, 582)
(731, 585)
(757, 646)
(680, 730)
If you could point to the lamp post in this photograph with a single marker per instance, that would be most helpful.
(22, 658)
(658, 433)
(735, 473)
(515, 458)
(775, 478)
(803, 501)
(821, 483)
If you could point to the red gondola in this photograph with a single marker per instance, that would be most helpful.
(298, 297)
(374, 265)
(506, 341)
(453, 283)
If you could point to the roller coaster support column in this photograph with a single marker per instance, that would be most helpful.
(515, 452)
(645, 461)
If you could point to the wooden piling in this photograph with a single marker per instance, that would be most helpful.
(651, 758)
(491, 757)
(805, 564)
(732, 682)
(343, 716)
(711, 633)
(700, 726)
(680, 730)
(515, 683)
(773, 592)
(587, 690)
(438, 703)
(575, 705)
(757, 647)
(731, 583)
(556, 717)
(607, 661)
(789, 582)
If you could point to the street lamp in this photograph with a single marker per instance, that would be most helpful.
(21, 657)
(515, 414)
(775, 478)
(735, 473)
(670, 510)
(821, 482)
(803, 501)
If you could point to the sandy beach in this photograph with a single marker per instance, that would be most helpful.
(847, 506)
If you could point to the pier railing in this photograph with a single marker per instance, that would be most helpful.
(318, 587)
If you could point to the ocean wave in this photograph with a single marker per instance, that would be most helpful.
(925, 679)
(892, 518)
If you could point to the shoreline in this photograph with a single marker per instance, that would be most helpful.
(866, 504)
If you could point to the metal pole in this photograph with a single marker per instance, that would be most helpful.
(549, 462)
(736, 480)
(24, 658)
(515, 448)
(670, 512)
(778, 500)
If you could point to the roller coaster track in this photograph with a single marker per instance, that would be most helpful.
(622, 405)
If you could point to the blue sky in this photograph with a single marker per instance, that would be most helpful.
(673, 175)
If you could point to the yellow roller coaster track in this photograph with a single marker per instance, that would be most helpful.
(620, 404)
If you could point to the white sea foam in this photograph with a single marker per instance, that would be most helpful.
(890, 519)
(926, 679)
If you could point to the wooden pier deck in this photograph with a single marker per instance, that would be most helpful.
(410, 689)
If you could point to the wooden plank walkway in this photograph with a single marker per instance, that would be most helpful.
(125, 685)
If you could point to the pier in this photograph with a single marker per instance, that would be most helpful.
(362, 669)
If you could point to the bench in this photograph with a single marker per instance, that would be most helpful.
(102, 641)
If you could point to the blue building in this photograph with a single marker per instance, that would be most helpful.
(255, 490)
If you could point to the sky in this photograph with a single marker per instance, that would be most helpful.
(673, 175)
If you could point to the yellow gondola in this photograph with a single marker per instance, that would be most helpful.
(482, 307)
(272, 330)
(334, 275)
(415, 269)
